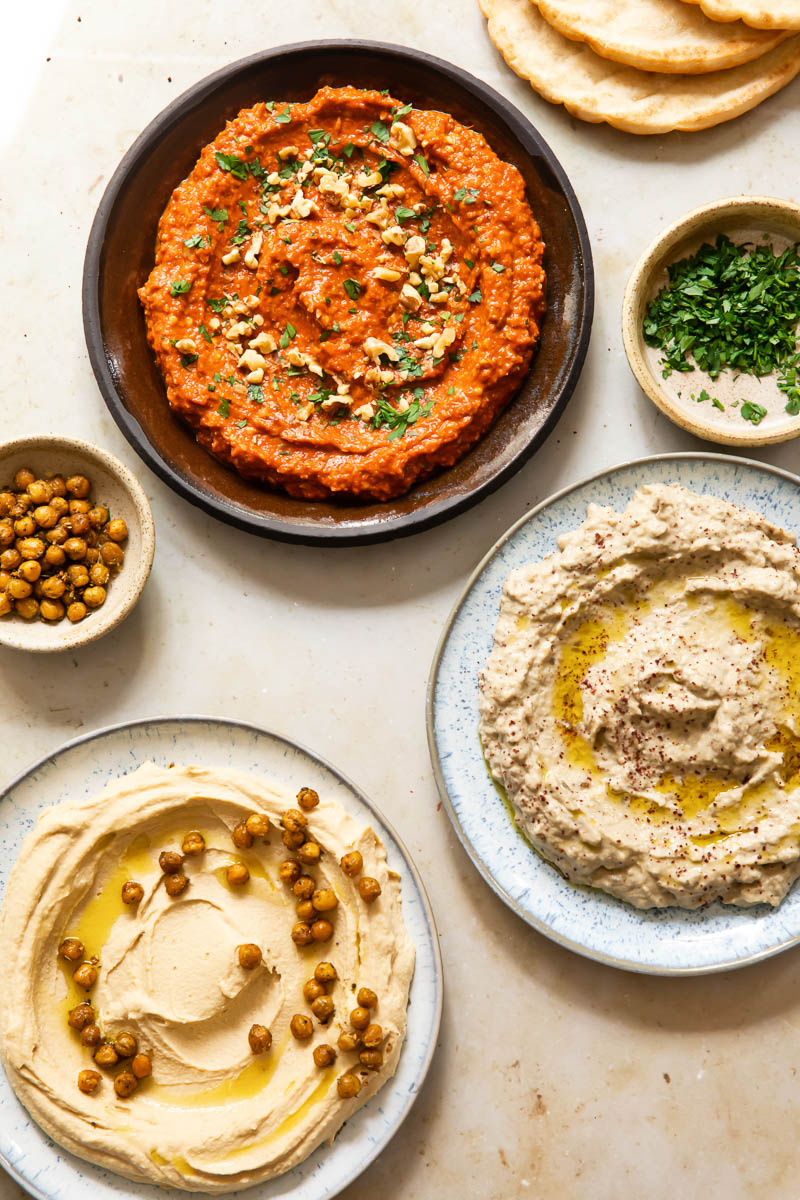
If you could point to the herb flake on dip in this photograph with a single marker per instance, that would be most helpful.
(346, 293)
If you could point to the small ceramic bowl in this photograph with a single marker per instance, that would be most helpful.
(116, 487)
(686, 398)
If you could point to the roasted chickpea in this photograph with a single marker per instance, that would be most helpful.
(237, 874)
(75, 549)
(325, 972)
(348, 1085)
(293, 839)
(57, 486)
(78, 506)
(98, 516)
(325, 900)
(175, 884)
(57, 537)
(19, 589)
(366, 998)
(348, 1041)
(305, 911)
(257, 825)
(6, 533)
(117, 530)
(45, 516)
(23, 479)
(80, 1016)
(304, 887)
(40, 491)
(372, 1059)
(5, 604)
(193, 844)
(368, 889)
(53, 587)
(170, 861)
(30, 570)
(112, 554)
(72, 949)
(92, 555)
(301, 1026)
(125, 1045)
(51, 610)
(132, 892)
(27, 607)
(59, 506)
(323, 1009)
(241, 836)
(301, 934)
(260, 1039)
(7, 502)
(85, 976)
(91, 1035)
(78, 486)
(324, 1055)
(309, 852)
(312, 988)
(125, 1084)
(322, 930)
(352, 863)
(10, 559)
(294, 819)
(249, 956)
(289, 871)
(88, 1081)
(307, 798)
(79, 524)
(93, 597)
(105, 1055)
(76, 611)
(25, 526)
(359, 1018)
(141, 1066)
(372, 1036)
(98, 573)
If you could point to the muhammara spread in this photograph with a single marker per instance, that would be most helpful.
(641, 704)
(346, 293)
(208, 979)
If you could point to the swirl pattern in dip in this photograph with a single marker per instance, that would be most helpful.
(640, 704)
(214, 1116)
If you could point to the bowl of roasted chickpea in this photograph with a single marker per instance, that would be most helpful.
(76, 543)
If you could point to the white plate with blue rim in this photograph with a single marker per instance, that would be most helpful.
(669, 941)
(82, 768)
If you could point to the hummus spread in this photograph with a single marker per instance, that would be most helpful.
(346, 293)
(641, 704)
(213, 1117)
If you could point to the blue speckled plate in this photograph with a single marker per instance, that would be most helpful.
(658, 941)
(82, 768)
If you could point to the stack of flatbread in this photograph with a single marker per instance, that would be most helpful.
(650, 66)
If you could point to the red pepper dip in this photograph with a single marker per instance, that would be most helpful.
(346, 293)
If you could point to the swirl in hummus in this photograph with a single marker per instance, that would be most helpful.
(346, 293)
(214, 1116)
(641, 704)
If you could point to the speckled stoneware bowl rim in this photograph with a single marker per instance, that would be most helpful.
(570, 943)
(409, 865)
(132, 577)
(436, 511)
(637, 292)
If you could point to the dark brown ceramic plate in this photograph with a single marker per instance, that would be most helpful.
(120, 255)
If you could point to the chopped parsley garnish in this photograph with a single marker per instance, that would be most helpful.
(218, 215)
(217, 305)
(470, 263)
(476, 297)
(348, 149)
(752, 412)
(287, 335)
(179, 287)
(319, 135)
(389, 418)
(466, 195)
(195, 242)
(284, 116)
(789, 383)
(380, 130)
(727, 306)
(498, 267)
(205, 332)
(404, 214)
(350, 226)
(337, 258)
(353, 288)
(243, 232)
(401, 112)
(254, 393)
(187, 360)
(422, 163)
(224, 407)
(231, 162)
(240, 424)
(324, 335)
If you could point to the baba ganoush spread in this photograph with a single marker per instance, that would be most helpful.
(346, 293)
(245, 1062)
(641, 704)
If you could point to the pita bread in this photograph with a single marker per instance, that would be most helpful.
(594, 89)
(658, 35)
(761, 14)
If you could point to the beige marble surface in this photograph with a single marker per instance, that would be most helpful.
(555, 1078)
